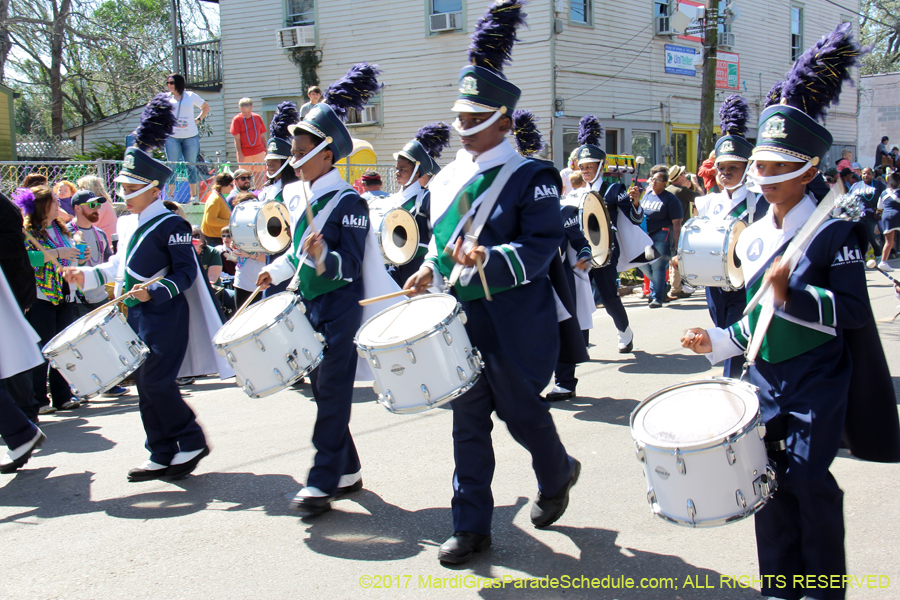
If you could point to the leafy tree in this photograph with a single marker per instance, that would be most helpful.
(880, 28)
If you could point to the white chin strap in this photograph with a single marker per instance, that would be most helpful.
(597, 176)
(280, 169)
(756, 180)
(740, 183)
(120, 191)
(412, 178)
(302, 161)
(478, 128)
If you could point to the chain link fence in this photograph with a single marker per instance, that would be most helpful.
(12, 174)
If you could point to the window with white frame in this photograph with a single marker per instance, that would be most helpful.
(445, 15)
(300, 12)
(662, 10)
(369, 115)
(796, 32)
(581, 12)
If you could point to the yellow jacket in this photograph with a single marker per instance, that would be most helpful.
(216, 215)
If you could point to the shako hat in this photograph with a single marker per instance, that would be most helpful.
(138, 164)
(734, 115)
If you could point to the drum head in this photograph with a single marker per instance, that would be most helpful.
(406, 320)
(596, 227)
(694, 414)
(399, 235)
(257, 317)
(273, 228)
(735, 272)
(80, 327)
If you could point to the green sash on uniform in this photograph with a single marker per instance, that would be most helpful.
(738, 211)
(131, 281)
(309, 283)
(444, 228)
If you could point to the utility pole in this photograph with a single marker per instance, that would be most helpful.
(707, 140)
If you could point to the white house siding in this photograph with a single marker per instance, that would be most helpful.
(879, 114)
(622, 44)
(420, 71)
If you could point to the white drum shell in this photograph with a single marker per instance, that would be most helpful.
(383, 222)
(706, 253)
(248, 219)
(717, 482)
(424, 370)
(601, 240)
(100, 358)
(275, 354)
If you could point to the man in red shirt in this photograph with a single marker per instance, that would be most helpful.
(249, 133)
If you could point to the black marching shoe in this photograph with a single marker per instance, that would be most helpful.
(461, 546)
(313, 504)
(559, 393)
(142, 473)
(17, 457)
(348, 489)
(547, 510)
(182, 470)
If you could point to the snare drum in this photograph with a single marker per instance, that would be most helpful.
(706, 253)
(97, 352)
(398, 235)
(597, 228)
(420, 353)
(261, 227)
(701, 446)
(270, 345)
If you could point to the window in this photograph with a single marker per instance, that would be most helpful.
(796, 32)
(662, 10)
(301, 12)
(580, 11)
(446, 6)
(570, 142)
(723, 28)
(369, 115)
(444, 16)
(611, 136)
(643, 143)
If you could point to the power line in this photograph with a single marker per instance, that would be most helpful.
(638, 55)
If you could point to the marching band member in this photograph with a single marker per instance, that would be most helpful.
(590, 162)
(338, 241)
(735, 201)
(176, 317)
(415, 161)
(520, 236)
(278, 155)
(804, 369)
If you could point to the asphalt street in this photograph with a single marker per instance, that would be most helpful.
(72, 527)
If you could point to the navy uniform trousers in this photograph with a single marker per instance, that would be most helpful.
(605, 282)
(15, 428)
(726, 308)
(332, 386)
(515, 371)
(169, 422)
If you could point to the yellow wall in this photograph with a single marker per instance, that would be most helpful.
(7, 123)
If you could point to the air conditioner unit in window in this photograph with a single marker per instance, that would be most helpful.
(296, 37)
(662, 26)
(727, 39)
(446, 22)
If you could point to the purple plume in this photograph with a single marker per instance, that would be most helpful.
(495, 34)
(354, 89)
(526, 134)
(24, 199)
(814, 82)
(774, 95)
(157, 123)
(434, 137)
(589, 130)
(734, 114)
(286, 114)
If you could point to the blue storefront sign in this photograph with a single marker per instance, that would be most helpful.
(680, 60)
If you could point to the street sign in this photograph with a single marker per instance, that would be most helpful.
(680, 60)
(728, 71)
(695, 29)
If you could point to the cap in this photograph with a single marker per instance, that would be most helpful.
(483, 90)
(790, 135)
(589, 153)
(82, 196)
(278, 149)
(138, 167)
(323, 122)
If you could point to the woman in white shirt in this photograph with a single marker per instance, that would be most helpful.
(184, 144)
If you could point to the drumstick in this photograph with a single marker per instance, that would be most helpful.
(129, 294)
(247, 302)
(373, 300)
(873, 265)
(480, 266)
(320, 264)
(37, 246)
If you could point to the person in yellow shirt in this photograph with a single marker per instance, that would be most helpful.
(216, 213)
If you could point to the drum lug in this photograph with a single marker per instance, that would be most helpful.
(741, 501)
(679, 462)
(75, 391)
(692, 511)
(77, 353)
(292, 363)
(133, 348)
(447, 337)
(96, 379)
(230, 357)
(686, 251)
(475, 360)
(718, 277)
(761, 429)
(290, 325)
(651, 497)
(320, 337)
(766, 484)
(376, 364)
(729, 452)
(639, 452)
(123, 360)
(259, 344)
(462, 317)
(692, 276)
(248, 388)
(389, 397)
(54, 364)
(307, 354)
(461, 373)
(426, 393)
(411, 354)
(278, 375)
(714, 253)
(104, 335)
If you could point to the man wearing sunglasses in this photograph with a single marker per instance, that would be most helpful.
(243, 182)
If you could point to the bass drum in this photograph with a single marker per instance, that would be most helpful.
(706, 253)
(398, 235)
(261, 227)
(597, 228)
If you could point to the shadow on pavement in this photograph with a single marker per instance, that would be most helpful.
(666, 364)
(615, 411)
(78, 439)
